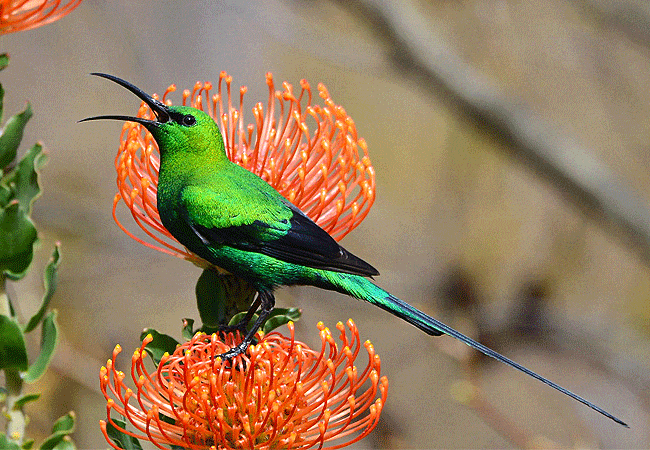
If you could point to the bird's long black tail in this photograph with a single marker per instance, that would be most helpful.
(364, 289)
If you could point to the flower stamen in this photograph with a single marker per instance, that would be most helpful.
(280, 394)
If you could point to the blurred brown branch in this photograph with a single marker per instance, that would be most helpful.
(632, 17)
(569, 166)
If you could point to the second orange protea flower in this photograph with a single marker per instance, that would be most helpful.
(281, 394)
(310, 153)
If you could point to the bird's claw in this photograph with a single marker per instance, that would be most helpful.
(234, 352)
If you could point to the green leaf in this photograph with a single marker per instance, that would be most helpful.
(64, 424)
(11, 135)
(121, 439)
(238, 318)
(59, 440)
(13, 354)
(28, 444)
(52, 441)
(17, 238)
(188, 329)
(279, 317)
(49, 335)
(221, 296)
(5, 195)
(22, 401)
(211, 298)
(4, 61)
(161, 344)
(6, 444)
(65, 444)
(22, 181)
(49, 286)
(167, 419)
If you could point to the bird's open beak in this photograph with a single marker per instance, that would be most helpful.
(159, 109)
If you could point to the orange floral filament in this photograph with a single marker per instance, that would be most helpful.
(19, 15)
(280, 394)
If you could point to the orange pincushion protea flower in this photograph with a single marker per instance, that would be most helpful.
(310, 153)
(18, 15)
(281, 394)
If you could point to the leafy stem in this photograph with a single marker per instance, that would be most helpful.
(16, 420)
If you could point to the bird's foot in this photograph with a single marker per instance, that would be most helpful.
(266, 301)
(237, 350)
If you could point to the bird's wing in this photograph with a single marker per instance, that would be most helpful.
(274, 227)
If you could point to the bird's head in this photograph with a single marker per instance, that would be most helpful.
(176, 128)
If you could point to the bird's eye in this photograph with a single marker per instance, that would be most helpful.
(189, 120)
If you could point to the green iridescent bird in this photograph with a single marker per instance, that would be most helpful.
(235, 220)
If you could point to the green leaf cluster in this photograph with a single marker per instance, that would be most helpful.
(58, 440)
(13, 352)
(19, 188)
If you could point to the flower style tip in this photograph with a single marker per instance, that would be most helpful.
(309, 152)
(280, 394)
(19, 15)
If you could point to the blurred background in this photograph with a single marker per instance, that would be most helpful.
(510, 141)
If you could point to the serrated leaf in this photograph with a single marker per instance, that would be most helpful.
(49, 337)
(6, 444)
(28, 444)
(22, 401)
(13, 354)
(22, 181)
(121, 439)
(4, 61)
(49, 286)
(279, 317)
(61, 429)
(188, 329)
(17, 238)
(161, 344)
(12, 134)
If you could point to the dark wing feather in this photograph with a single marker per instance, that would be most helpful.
(305, 243)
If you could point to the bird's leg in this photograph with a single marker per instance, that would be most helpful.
(266, 300)
(242, 324)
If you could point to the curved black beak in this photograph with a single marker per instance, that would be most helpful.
(159, 109)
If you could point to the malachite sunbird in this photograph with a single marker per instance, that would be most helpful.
(235, 220)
